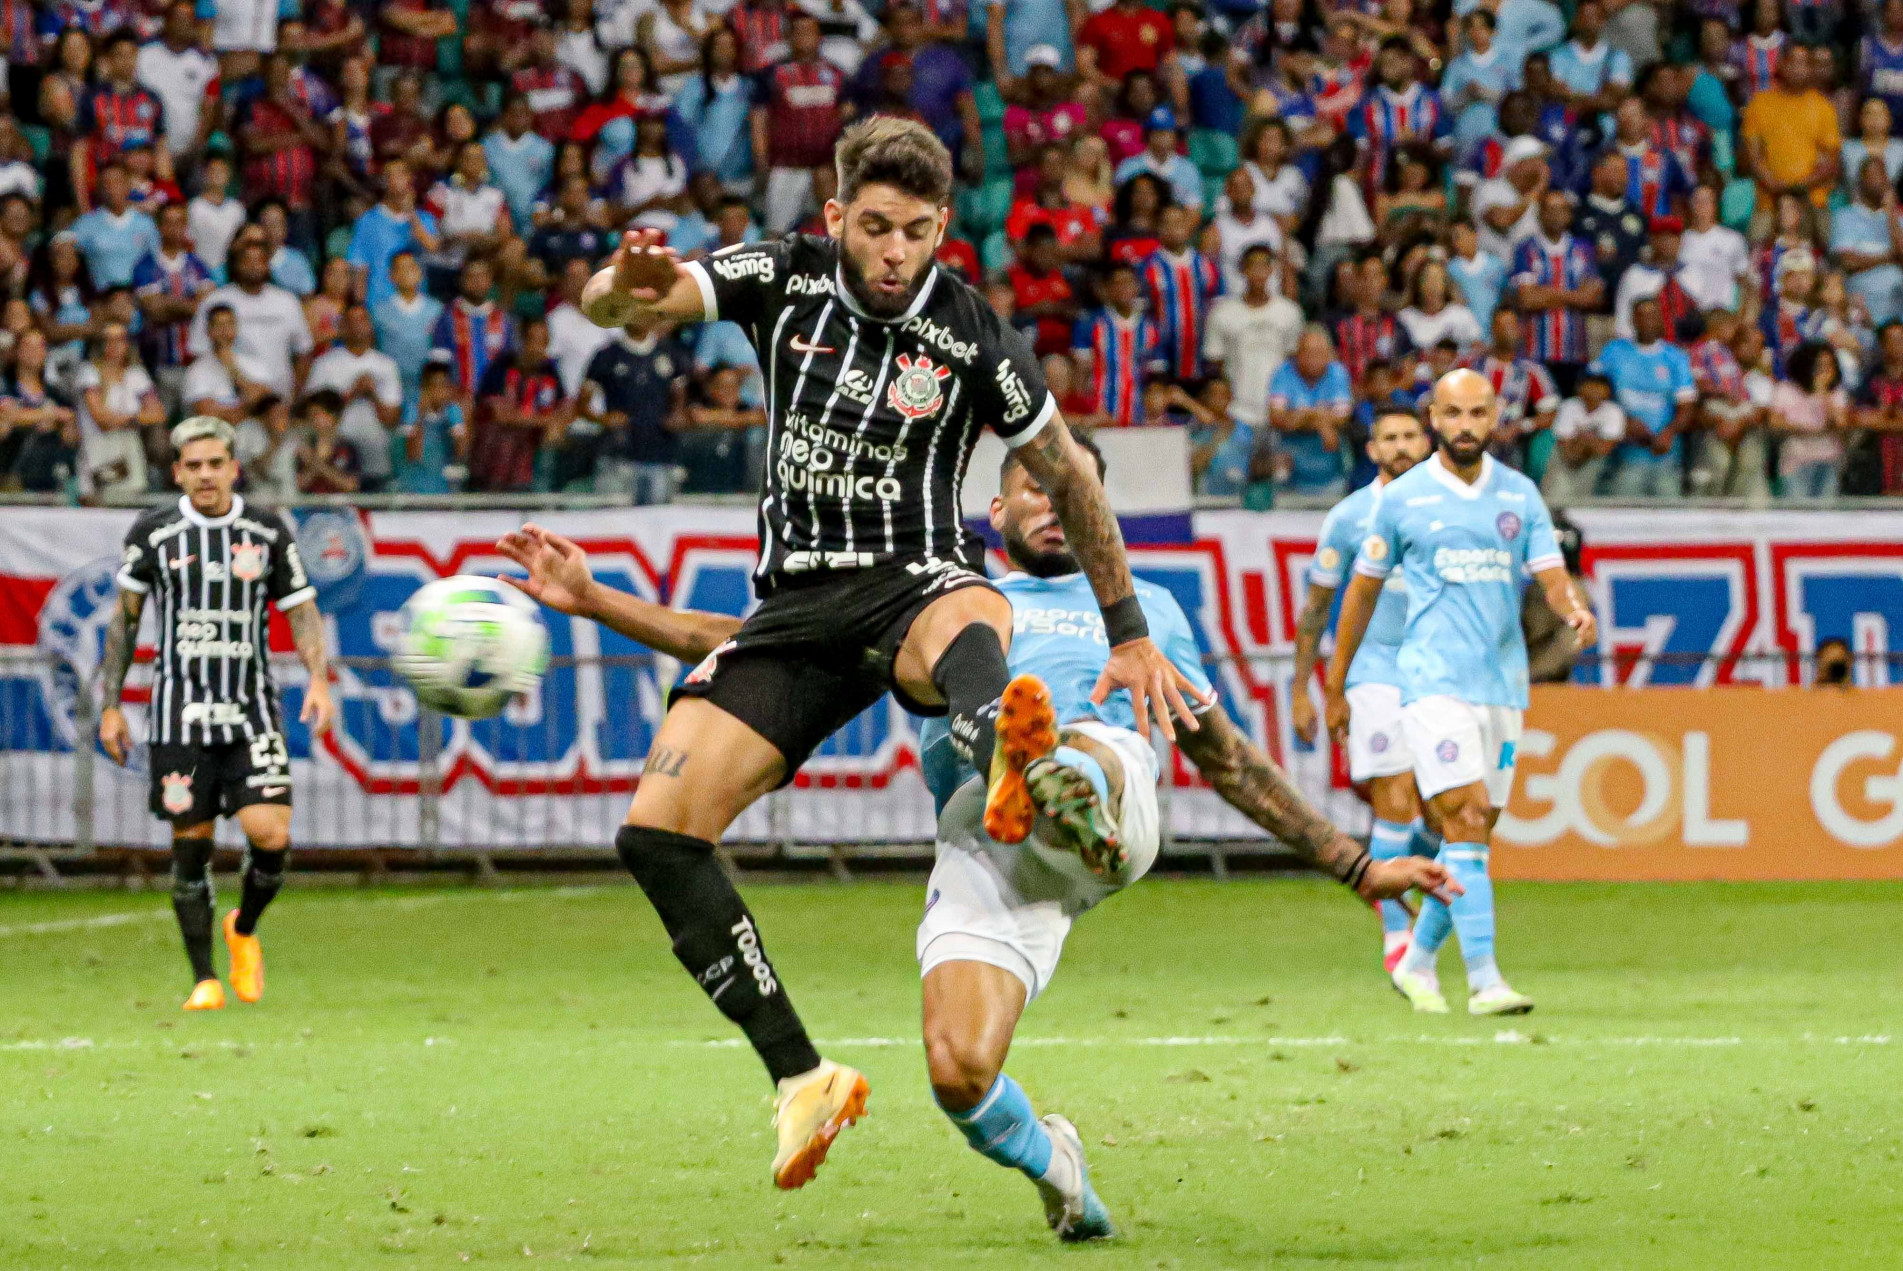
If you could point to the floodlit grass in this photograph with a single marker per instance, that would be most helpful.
(437, 1077)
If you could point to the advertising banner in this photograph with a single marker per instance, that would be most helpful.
(1717, 783)
(1686, 599)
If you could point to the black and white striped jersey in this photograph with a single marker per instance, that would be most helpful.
(870, 422)
(206, 581)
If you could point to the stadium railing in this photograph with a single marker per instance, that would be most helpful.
(400, 801)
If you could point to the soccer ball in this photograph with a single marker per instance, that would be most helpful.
(468, 644)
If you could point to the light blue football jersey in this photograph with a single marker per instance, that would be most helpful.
(1343, 531)
(1057, 635)
(1464, 550)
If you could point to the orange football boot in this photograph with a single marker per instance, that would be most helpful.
(809, 1114)
(1026, 731)
(247, 961)
(207, 995)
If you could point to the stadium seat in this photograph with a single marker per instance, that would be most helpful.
(1539, 450)
(1212, 190)
(983, 208)
(40, 139)
(1213, 153)
(1738, 203)
(989, 101)
(995, 252)
(997, 153)
(1724, 156)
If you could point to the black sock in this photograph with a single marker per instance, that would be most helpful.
(718, 942)
(192, 902)
(972, 673)
(263, 875)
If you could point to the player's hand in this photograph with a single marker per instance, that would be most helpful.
(1301, 714)
(114, 735)
(318, 710)
(1388, 880)
(558, 569)
(1585, 627)
(1157, 689)
(1335, 703)
(635, 244)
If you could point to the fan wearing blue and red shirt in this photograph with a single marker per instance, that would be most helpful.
(1399, 110)
(474, 330)
(1555, 282)
(1182, 283)
(1880, 58)
(1117, 346)
(279, 136)
(169, 282)
(521, 409)
(797, 122)
(1656, 182)
(119, 110)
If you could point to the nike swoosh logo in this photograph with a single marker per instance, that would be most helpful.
(801, 346)
(271, 792)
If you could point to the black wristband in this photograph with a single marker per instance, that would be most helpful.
(1357, 871)
(1124, 621)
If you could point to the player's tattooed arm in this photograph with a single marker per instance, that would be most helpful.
(121, 635)
(1067, 474)
(1256, 786)
(1308, 643)
(307, 636)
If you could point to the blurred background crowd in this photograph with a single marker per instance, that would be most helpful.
(1667, 230)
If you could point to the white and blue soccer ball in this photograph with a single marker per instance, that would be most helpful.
(468, 644)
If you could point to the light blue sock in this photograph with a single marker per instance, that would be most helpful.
(1004, 1128)
(1424, 842)
(1473, 912)
(1388, 841)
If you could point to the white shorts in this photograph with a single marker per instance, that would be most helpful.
(1377, 743)
(1457, 743)
(1011, 905)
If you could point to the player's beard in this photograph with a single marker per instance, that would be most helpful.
(1464, 448)
(1033, 562)
(877, 303)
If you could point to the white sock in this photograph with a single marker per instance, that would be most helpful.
(1418, 961)
(1482, 974)
(1062, 1172)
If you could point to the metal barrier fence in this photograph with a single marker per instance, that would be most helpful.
(414, 782)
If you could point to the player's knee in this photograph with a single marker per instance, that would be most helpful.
(961, 1070)
(1466, 823)
(191, 862)
(273, 838)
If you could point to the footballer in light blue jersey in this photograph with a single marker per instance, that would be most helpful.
(1464, 531)
(1378, 757)
(1463, 549)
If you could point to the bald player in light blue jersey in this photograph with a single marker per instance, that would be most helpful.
(1464, 532)
(1378, 757)
(996, 914)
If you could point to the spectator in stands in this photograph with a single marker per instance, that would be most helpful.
(46, 452)
(290, 264)
(213, 216)
(1595, 75)
(267, 447)
(1866, 238)
(474, 331)
(1554, 285)
(1399, 110)
(1880, 413)
(169, 283)
(716, 106)
(1014, 28)
(327, 461)
(796, 122)
(1043, 300)
(1251, 332)
(435, 437)
(520, 160)
(406, 321)
(1714, 259)
(396, 224)
(1310, 400)
(1506, 210)
(1434, 312)
(1811, 412)
(118, 401)
(181, 76)
(634, 392)
(1477, 79)
(282, 142)
(1368, 330)
(573, 340)
(1524, 388)
(1658, 277)
(1041, 112)
(369, 391)
(272, 332)
(1790, 132)
(223, 382)
(1116, 346)
(521, 412)
(1586, 430)
(1731, 458)
(941, 85)
(1652, 381)
(1182, 283)
(113, 236)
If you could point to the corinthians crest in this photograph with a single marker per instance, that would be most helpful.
(247, 562)
(914, 391)
(176, 793)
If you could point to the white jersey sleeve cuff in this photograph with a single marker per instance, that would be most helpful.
(704, 280)
(1030, 430)
(1369, 570)
(1545, 562)
(287, 603)
(1324, 577)
(130, 583)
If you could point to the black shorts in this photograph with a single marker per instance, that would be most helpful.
(820, 650)
(192, 784)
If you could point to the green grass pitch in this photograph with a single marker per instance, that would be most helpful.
(445, 1077)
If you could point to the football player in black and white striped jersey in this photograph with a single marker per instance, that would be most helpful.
(881, 370)
(209, 565)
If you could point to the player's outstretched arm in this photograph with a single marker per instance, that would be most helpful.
(1256, 786)
(1308, 643)
(121, 634)
(307, 635)
(558, 576)
(1357, 607)
(1068, 475)
(1565, 601)
(642, 274)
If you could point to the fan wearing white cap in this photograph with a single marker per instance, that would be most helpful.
(1506, 209)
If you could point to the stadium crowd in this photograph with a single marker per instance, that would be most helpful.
(1667, 230)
